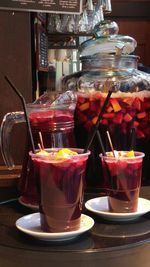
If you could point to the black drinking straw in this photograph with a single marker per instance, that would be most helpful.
(25, 111)
(101, 142)
(98, 122)
(104, 154)
(132, 139)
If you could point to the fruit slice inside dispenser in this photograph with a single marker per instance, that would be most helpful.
(125, 109)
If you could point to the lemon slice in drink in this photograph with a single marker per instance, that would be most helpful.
(130, 154)
(42, 153)
(64, 153)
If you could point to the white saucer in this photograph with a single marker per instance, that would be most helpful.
(99, 206)
(30, 224)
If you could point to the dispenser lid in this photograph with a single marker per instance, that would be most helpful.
(110, 44)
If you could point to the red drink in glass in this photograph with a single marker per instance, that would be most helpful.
(123, 179)
(61, 186)
(57, 128)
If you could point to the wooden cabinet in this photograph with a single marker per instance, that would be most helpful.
(138, 29)
(15, 62)
(133, 18)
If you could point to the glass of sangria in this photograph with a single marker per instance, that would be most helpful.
(60, 175)
(122, 174)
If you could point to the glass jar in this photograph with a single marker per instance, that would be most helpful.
(128, 108)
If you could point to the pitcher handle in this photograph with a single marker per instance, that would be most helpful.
(9, 120)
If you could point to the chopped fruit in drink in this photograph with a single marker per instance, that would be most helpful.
(130, 153)
(141, 115)
(142, 98)
(135, 123)
(109, 109)
(115, 104)
(127, 117)
(108, 115)
(42, 153)
(140, 134)
(84, 106)
(69, 151)
(64, 153)
(94, 120)
(120, 154)
(118, 118)
(137, 104)
(121, 111)
(128, 100)
(110, 154)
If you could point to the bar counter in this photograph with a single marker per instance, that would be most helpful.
(106, 244)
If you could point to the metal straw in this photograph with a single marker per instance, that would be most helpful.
(25, 111)
(98, 122)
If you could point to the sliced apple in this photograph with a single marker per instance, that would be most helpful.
(140, 134)
(128, 100)
(108, 115)
(84, 106)
(118, 118)
(127, 117)
(137, 104)
(115, 104)
(94, 120)
(141, 115)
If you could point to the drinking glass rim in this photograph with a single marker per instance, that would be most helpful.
(53, 149)
(48, 106)
(137, 155)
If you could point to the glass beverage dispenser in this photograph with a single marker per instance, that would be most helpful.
(108, 63)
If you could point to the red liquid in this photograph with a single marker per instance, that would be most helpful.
(122, 113)
(123, 179)
(57, 131)
(61, 188)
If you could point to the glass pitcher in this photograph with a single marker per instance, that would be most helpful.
(52, 115)
(128, 108)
